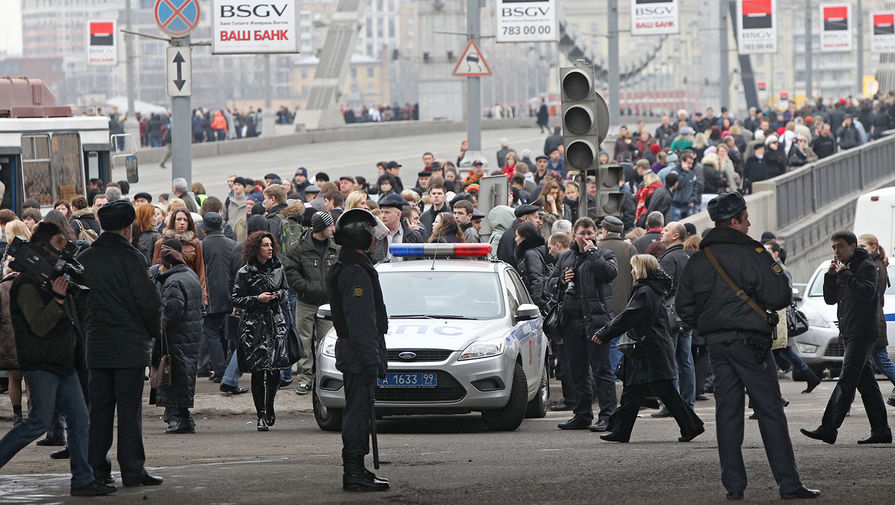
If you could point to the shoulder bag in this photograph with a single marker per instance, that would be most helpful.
(627, 345)
(160, 375)
(796, 321)
(553, 317)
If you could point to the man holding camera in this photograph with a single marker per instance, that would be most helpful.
(122, 319)
(738, 332)
(45, 342)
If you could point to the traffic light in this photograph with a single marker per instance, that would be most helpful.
(585, 123)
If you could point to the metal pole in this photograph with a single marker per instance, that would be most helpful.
(614, 103)
(724, 63)
(860, 18)
(268, 124)
(131, 126)
(181, 135)
(473, 84)
(809, 53)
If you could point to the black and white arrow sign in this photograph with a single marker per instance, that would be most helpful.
(179, 75)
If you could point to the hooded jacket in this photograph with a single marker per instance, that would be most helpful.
(531, 262)
(86, 218)
(855, 291)
(192, 255)
(263, 328)
(182, 320)
(501, 219)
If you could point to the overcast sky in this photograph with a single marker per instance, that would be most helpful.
(11, 27)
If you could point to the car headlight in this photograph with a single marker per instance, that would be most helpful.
(483, 349)
(807, 348)
(328, 346)
(815, 319)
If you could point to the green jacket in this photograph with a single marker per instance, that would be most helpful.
(306, 269)
(45, 334)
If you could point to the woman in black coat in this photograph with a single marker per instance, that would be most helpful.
(182, 335)
(531, 262)
(651, 366)
(258, 292)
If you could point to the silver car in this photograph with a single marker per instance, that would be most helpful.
(463, 336)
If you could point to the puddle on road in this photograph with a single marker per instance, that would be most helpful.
(48, 488)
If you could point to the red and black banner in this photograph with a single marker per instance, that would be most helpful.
(884, 24)
(102, 34)
(757, 14)
(836, 18)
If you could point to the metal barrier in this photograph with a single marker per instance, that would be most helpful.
(809, 189)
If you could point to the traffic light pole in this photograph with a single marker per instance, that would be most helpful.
(614, 101)
(473, 84)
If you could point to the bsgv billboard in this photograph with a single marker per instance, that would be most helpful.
(254, 26)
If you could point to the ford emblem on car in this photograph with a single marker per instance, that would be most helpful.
(407, 355)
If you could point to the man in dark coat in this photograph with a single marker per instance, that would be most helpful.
(553, 141)
(543, 117)
(824, 144)
(217, 250)
(654, 225)
(851, 284)
(122, 319)
(739, 341)
(437, 197)
(182, 302)
(361, 322)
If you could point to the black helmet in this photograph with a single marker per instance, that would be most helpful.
(356, 228)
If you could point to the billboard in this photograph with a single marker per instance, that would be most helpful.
(526, 21)
(882, 39)
(756, 26)
(654, 17)
(102, 45)
(835, 28)
(254, 26)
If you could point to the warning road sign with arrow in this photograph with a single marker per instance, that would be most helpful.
(179, 75)
(472, 63)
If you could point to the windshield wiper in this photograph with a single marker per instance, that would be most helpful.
(428, 316)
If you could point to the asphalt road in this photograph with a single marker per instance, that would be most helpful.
(336, 159)
(451, 460)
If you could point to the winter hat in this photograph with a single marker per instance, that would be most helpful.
(771, 138)
(256, 223)
(768, 236)
(212, 221)
(144, 195)
(612, 224)
(170, 257)
(116, 215)
(655, 148)
(258, 210)
(780, 131)
(321, 221)
(726, 206)
(257, 197)
(173, 243)
(671, 158)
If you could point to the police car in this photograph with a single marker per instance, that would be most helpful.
(464, 336)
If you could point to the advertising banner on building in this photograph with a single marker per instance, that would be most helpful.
(526, 21)
(882, 39)
(756, 26)
(835, 28)
(102, 46)
(654, 17)
(254, 26)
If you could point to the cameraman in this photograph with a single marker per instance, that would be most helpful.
(45, 341)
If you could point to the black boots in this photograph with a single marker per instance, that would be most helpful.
(359, 479)
(271, 385)
(262, 421)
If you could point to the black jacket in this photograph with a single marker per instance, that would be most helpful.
(531, 263)
(306, 269)
(427, 219)
(380, 252)
(87, 219)
(856, 292)
(263, 329)
(506, 247)
(824, 146)
(705, 302)
(182, 321)
(217, 251)
(45, 337)
(659, 201)
(145, 243)
(642, 243)
(359, 315)
(594, 272)
(123, 306)
(882, 339)
(672, 261)
(645, 318)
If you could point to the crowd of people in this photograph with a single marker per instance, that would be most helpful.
(235, 281)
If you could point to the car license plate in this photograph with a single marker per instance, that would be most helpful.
(408, 380)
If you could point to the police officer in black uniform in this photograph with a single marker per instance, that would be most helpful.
(739, 341)
(361, 322)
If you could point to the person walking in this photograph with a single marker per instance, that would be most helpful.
(361, 321)
(851, 283)
(122, 320)
(217, 255)
(880, 354)
(739, 341)
(651, 366)
(181, 335)
(584, 274)
(259, 292)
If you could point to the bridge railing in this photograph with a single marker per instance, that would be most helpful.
(811, 188)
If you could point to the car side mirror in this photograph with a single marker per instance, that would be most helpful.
(796, 295)
(527, 312)
(130, 168)
(325, 312)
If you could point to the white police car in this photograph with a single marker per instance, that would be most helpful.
(463, 336)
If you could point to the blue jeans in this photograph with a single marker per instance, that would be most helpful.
(678, 213)
(614, 356)
(882, 361)
(231, 374)
(48, 392)
(686, 372)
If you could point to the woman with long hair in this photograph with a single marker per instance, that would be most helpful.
(510, 166)
(552, 204)
(446, 231)
(63, 207)
(880, 354)
(258, 293)
(356, 199)
(651, 183)
(651, 366)
(9, 360)
(182, 227)
(144, 233)
(159, 216)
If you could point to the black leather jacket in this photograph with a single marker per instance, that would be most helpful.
(594, 272)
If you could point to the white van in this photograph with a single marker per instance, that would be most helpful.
(875, 214)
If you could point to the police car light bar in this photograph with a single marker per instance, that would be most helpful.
(441, 250)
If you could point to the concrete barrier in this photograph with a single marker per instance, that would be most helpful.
(762, 209)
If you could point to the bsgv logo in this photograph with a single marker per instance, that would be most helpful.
(247, 10)
(508, 12)
(653, 11)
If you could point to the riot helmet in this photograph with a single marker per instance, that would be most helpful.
(356, 228)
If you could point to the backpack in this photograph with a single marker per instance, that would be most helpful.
(86, 234)
(290, 232)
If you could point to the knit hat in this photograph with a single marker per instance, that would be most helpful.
(212, 221)
(116, 215)
(655, 148)
(321, 221)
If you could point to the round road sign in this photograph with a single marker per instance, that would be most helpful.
(177, 18)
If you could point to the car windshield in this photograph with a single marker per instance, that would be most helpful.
(449, 295)
(817, 287)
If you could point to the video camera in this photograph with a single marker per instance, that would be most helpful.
(41, 265)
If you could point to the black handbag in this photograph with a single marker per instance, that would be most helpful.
(231, 326)
(796, 321)
(627, 344)
(294, 347)
(553, 317)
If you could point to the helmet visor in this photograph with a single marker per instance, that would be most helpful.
(379, 230)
